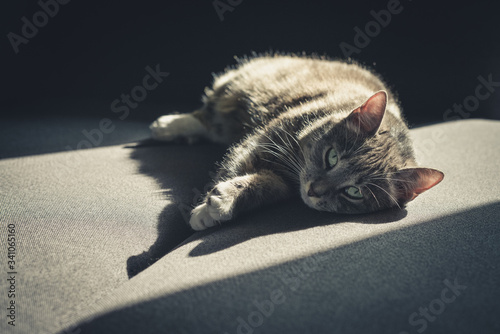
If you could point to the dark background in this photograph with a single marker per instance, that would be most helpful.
(90, 52)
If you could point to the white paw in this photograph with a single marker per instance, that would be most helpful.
(218, 207)
(200, 218)
(172, 127)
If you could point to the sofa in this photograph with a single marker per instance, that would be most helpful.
(101, 245)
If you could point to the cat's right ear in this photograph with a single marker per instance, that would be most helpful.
(367, 118)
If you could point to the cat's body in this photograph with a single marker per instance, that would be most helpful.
(324, 130)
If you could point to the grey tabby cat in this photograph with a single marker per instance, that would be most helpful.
(327, 130)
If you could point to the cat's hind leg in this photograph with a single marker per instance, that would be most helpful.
(183, 127)
(206, 123)
(220, 120)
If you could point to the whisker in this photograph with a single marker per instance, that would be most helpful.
(354, 144)
(297, 142)
(289, 149)
(359, 148)
(345, 144)
(290, 156)
(283, 158)
(294, 176)
(287, 163)
(385, 173)
(389, 179)
(375, 197)
(390, 196)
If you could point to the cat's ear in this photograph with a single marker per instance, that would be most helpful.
(411, 182)
(368, 117)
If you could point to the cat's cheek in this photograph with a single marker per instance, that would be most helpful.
(303, 194)
(321, 204)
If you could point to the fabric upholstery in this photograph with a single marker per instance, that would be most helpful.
(21, 136)
(87, 220)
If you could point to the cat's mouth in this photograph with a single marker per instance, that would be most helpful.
(310, 201)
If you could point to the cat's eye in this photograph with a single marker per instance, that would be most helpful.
(353, 192)
(331, 158)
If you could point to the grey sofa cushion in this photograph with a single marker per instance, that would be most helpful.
(83, 221)
(88, 220)
(23, 136)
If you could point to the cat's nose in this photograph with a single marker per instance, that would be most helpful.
(311, 192)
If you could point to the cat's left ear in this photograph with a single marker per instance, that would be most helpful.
(368, 117)
(411, 182)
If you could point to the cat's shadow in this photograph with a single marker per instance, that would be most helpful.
(286, 217)
(183, 172)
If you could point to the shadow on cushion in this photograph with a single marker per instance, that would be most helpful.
(370, 286)
(180, 170)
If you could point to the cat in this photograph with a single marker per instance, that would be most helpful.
(328, 131)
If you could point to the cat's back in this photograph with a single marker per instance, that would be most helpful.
(294, 78)
(301, 72)
(273, 84)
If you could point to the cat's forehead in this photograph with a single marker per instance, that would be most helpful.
(366, 163)
(347, 176)
(323, 126)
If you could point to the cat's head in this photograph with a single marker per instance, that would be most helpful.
(361, 163)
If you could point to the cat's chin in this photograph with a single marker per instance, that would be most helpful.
(310, 201)
(314, 202)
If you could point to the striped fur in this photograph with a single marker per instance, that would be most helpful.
(280, 115)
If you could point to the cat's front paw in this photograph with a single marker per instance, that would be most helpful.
(218, 207)
(201, 219)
